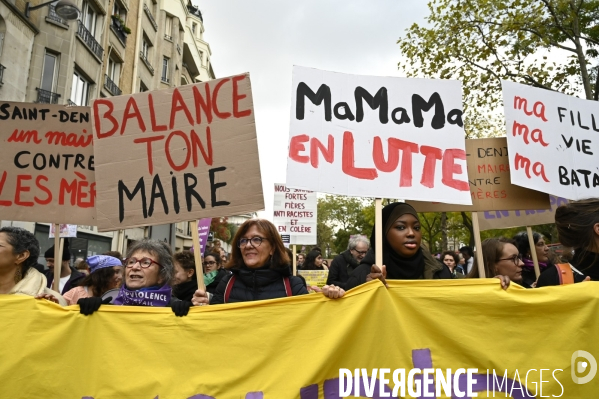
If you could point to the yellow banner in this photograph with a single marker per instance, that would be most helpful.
(536, 341)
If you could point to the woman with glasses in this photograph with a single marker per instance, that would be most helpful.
(148, 273)
(501, 259)
(213, 271)
(260, 269)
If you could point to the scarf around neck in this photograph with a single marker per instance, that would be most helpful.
(530, 266)
(150, 296)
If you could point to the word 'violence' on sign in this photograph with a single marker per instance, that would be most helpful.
(553, 141)
(489, 179)
(504, 219)
(295, 214)
(47, 164)
(179, 154)
(377, 136)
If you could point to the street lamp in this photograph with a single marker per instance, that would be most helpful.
(64, 9)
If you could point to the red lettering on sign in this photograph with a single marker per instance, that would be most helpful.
(238, 97)
(296, 146)
(148, 141)
(155, 127)
(347, 160)
(222, 115)
(107, 115)
(328, 152)
(131, 111)
(177, 105)
(21, 188)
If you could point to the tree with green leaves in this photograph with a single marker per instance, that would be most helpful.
(550, 44)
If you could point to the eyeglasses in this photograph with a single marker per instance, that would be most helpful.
(254, 241)
(360, 252)
(143, 262)
(516, 259)
(210, 263)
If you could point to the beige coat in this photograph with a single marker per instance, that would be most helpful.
(33, 284)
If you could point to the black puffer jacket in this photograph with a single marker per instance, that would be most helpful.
(258, 284)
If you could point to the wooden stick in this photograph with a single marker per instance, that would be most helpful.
(378, 222)
(57, 258)
(197, 255)
(533, 251)
(479, 246)
(294, 260)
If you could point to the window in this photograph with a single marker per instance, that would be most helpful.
(201, 57)
(145, 48)
(89, 17)
(194, 27)
(80, 90)
(49, 72)
(142, 87)
(119, 11)
(168, 27)
(165, 69)
(114, 70)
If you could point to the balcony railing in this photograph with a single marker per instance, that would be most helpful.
(167, 37)
(145, 60)
(54, 17)
(71, 103)
(178, 49)
(2, 68)
(46, 97)
(118, 31)
(111, 86)
(89, 40)
(150, 16)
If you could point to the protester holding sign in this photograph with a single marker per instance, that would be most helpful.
(106, 273)
(19, 250)
(403, 255)
(578, 227)
(148, 272)
(502, 260)
(260, 269)
(528, 270)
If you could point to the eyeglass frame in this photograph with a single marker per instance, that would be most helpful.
(513, 259)
(213, 262)
(359, 252)
(139, 261)
(241, 244)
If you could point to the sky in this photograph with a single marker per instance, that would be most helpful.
(267, 37)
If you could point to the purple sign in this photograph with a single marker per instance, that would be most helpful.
(203, 231)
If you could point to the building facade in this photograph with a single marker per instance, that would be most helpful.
(115, 47)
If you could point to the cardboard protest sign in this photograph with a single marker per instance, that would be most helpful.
(179, 154)
(66, 230)
(553, 141)
(46, 164)
(490, 186)
(314, 277)
(295, 214)
(348, 134)
(506, 219)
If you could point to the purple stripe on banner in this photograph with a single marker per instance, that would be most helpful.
(309, 392)
(254, 395)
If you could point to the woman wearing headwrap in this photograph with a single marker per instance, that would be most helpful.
(404, 258)
(106, 273)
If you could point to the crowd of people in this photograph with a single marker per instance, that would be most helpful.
(259, 266)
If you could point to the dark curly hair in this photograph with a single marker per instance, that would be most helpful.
(99, 281)
(21, 241)
(187, 260)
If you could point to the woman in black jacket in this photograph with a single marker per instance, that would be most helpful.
(403, 255)
(260, 269)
